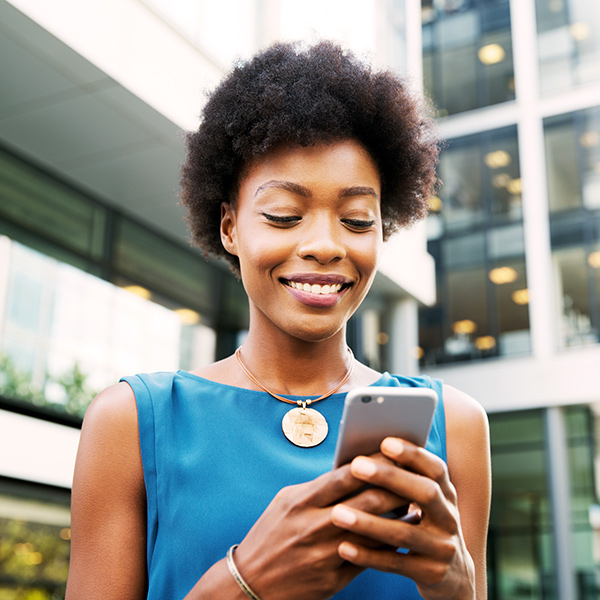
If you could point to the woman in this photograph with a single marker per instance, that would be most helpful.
(305, 161)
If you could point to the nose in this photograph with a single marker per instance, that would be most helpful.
(322, 241)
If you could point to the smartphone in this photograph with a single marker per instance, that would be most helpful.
(374, 413)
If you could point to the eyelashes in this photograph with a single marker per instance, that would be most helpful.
(356, 224)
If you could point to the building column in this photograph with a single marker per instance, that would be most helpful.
(538, 251)
(560, 502)
(404, 337)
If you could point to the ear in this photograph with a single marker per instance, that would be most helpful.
(228, 230)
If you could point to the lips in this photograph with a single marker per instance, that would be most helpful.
(317, 290)
(317, 284)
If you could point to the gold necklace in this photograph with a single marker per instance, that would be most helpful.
(305, 427)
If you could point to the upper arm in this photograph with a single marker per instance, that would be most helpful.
(468, 451)
(108, 508)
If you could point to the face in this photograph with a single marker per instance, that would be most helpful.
(306, 228)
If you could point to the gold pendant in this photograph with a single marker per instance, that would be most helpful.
(304, 427)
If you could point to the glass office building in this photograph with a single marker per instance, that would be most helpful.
(515, 234)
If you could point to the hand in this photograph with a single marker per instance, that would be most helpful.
(292, 550)
(437, 560)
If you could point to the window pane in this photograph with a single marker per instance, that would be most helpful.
(520, 534)
(467, 54)
(37, 202)
(568, 42)
(572, 285)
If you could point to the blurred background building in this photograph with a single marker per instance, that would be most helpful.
(498, 292)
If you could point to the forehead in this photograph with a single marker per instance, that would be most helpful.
(334, 166)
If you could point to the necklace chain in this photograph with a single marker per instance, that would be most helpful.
(255, 381)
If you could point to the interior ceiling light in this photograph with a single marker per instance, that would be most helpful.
(138, 290)
(594, 259)
(491, 54)
(497, 159)
(435, 204)
(485, 342)
(580, 31)
(515, 187)
(590, 139)
(418, 352)
(382, 338)
(520, 297)
(188, 316)
(501, 180)
(466, 326)
(502, 275)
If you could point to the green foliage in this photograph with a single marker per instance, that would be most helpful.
(34, 560)
(16, 384)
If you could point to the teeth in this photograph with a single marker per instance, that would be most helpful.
(316, 288)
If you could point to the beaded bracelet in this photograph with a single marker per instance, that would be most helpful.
(237, 576)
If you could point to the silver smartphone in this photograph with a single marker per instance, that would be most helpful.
(374, 413)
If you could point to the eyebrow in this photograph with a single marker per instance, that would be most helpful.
(358, 190)
(300, 190)
(289, 186)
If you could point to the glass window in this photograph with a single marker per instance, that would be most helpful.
(582, 432)
(568, 43)
(481, 180)
(520, 534)
(476, 236)
(36, 202)
(576, 275)
(573, 166)
(467, 53)
(573, 160)
(66, 334)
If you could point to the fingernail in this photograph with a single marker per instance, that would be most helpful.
(363, 466)
(393, 446)
(343, 516)
(347, 551)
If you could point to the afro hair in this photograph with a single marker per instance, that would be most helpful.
(288, 95)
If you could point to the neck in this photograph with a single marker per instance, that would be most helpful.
(282, 364)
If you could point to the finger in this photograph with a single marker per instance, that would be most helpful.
(420, 569)
(377, 501)
(394, 533)
(420, 489)
(420, 461)
(329, 488)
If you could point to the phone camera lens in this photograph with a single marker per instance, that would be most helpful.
(366, 399)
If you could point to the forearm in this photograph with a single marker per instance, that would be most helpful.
(217, 584)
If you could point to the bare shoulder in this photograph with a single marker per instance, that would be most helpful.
(467, 434)
(108, 502)
(463, 413)
(115, 405)
(109, 436)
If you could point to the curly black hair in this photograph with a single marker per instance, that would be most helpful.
(289, 95)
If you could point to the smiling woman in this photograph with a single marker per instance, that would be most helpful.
(185, 485)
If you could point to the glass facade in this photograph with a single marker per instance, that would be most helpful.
(573, 167)
(475, 232)
(520, 555)
(467, 53)
(88, 295)
(568, 43)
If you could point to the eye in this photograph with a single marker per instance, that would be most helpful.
(358, 224)
(282, 219)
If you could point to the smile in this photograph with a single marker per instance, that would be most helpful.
(315, 288)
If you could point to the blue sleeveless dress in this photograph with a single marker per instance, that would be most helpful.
(214, 456)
